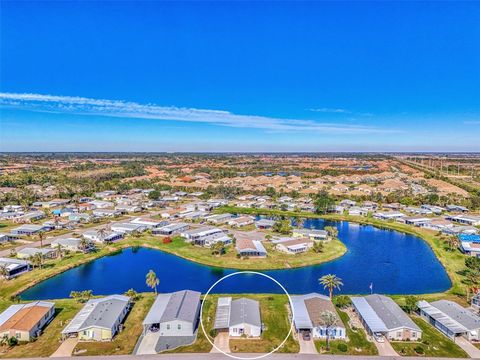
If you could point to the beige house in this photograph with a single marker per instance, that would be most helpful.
(99, 320)
(25, 321)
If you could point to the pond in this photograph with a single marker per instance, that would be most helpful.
(394, 262)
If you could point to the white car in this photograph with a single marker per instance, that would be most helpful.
(379, 337)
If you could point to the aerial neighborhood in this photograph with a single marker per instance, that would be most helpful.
(247, 217)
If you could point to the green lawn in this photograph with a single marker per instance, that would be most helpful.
(357, 343)
(433, 343)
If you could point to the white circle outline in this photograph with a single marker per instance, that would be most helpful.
(240, 273)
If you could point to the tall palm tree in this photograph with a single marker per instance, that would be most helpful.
(37, 260)
(328, 319)
(152, 281)
(330, 282)
(102, 234)
(332, 231)
(4, 271)
(84, 244)
(59, 250)
(41, 236)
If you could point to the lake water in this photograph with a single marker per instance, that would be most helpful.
(395, 263)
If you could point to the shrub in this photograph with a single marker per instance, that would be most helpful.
(419, 350)
(12, 341)
(167, 240)
(342, 347)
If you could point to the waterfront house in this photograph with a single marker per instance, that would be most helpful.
(211, 240)
(241, 221)
(389, 215)
(264, 224)
(99, 319)
(218, 218)
(415, 221)
(381, 315)
(471, 248)
(175, 318)
(199, 235)
(451, 319)
(171, 229)
(25, 321)
(14, 267)
(28, 252)
(238, 317)
(293, 245)
(307, 310)
(312, 234)
(357, 211)
(70, 244)
(347, 203)
(250, 248)
(97, 236)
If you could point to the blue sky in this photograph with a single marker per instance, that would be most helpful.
(258, 76)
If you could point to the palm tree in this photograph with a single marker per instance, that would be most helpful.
(4, 271)
(328, 319)
(59, 250)
(332, 231)
(41, 236)
(330, 282)
(102, 234)
(84, 244)
(37, 260)
(152, 280)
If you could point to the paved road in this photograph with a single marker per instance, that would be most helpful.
(212, 356)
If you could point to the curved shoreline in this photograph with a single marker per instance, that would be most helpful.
(111, 249)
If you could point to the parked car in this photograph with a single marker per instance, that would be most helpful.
(379, 337)
(306, 335)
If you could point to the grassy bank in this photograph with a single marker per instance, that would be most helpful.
(452, 261)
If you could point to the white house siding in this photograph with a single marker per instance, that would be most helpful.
(247, 329)
(176, 328)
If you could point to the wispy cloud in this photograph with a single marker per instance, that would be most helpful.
(339, 111)
(331, 110)
(126, 109)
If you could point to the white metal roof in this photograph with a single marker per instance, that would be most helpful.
(369, 315)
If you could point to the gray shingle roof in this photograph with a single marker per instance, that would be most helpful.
(234, 312)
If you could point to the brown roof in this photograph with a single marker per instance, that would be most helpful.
(315, 306)
(25, 319)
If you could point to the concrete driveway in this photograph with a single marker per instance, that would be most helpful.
(221, 342)
(385, 348)
(468, 347)
(148, 344)
(66, 348)
(306, 347)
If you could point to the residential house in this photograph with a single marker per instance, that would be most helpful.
(14, 267)
(28, 252)
(451, 319)
(99, 319)
(219, 218)
(264, 224)
(465, 219)
(390, 215)
(126, 208)
(106, 213)
(127, 228)
(199, 235)
(97, 236)
(175, 317)
(307, 316)
(381, 315)
(293, 245)
(25, 321)
(456, 208)
(171, 229)
(312, 234)
(70, 244)
(241, 221)
(149, 223)
(240, 317)
(250, 248)
(29, 229)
